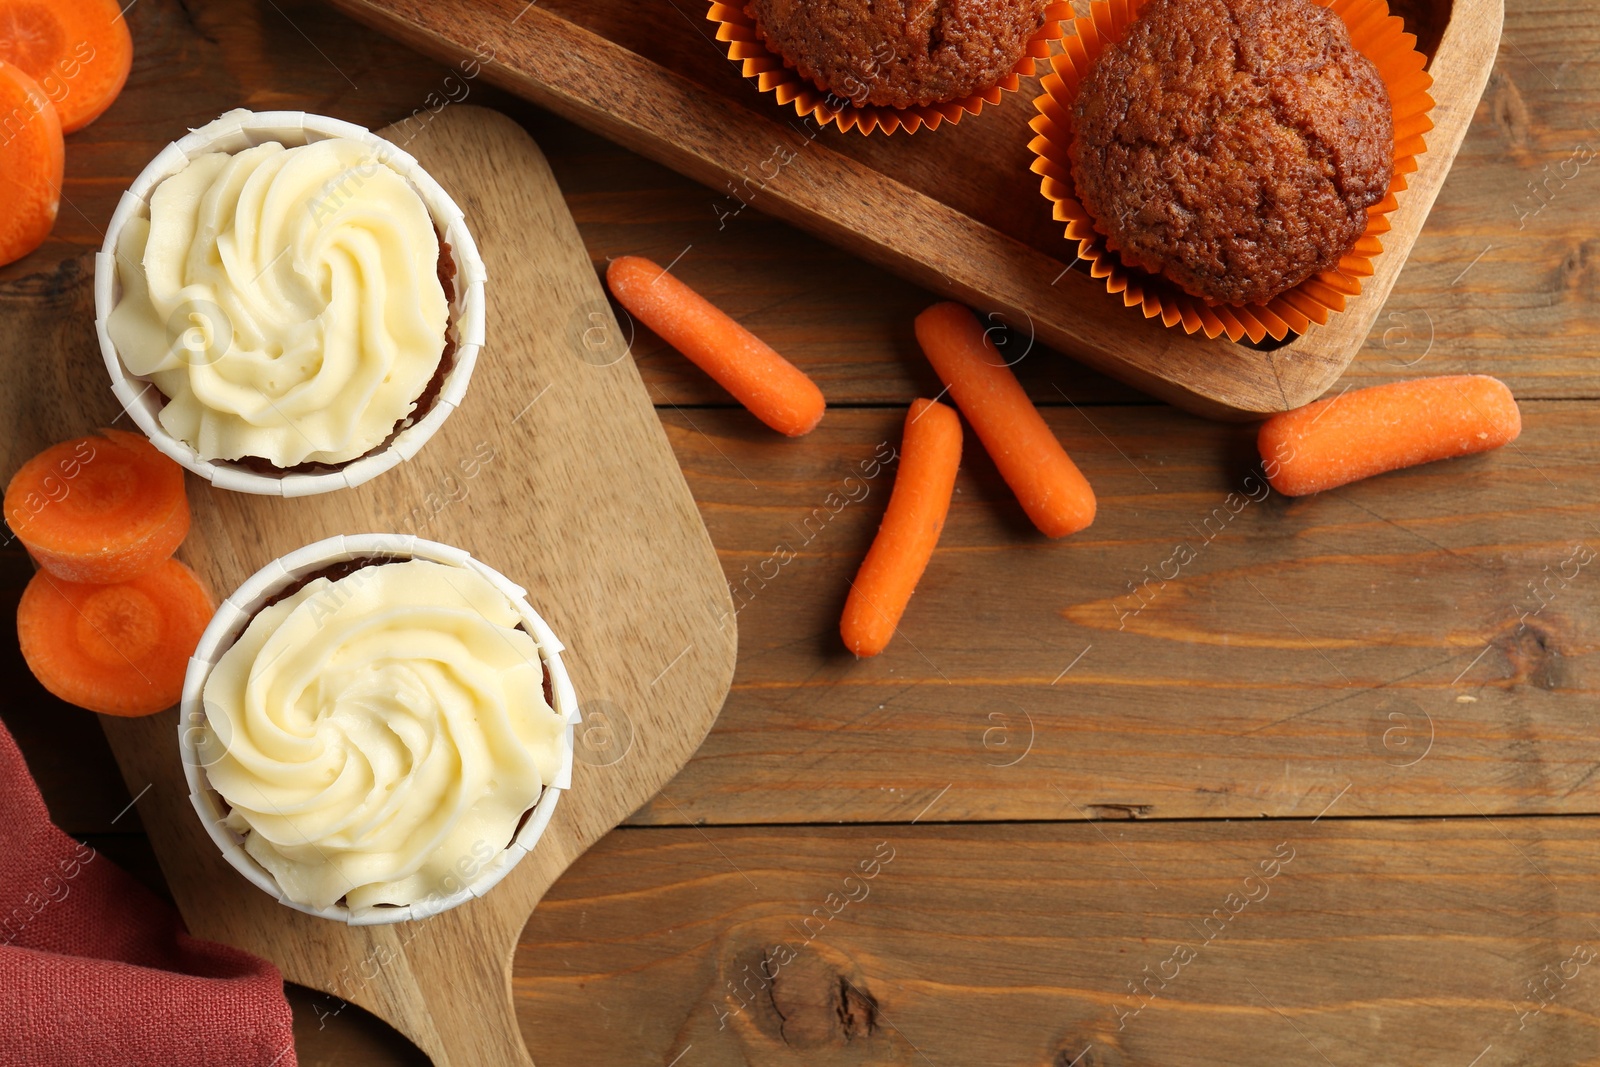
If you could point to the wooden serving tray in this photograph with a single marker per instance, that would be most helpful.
(956, 209)
(557, 472)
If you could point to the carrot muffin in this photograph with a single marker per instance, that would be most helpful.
(899, 53)
(291, 304)
(1233, 146)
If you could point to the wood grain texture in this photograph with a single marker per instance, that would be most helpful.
(947, 209)
(1310, 645)
(1373, 942)
(1527, 311)
(1413, 635)
(554, 470)
(1504, 279)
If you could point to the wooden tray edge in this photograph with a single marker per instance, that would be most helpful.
(693, 130)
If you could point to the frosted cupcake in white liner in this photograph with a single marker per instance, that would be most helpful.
(288, 304)
(377, 728)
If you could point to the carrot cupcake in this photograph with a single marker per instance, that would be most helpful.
(1232, 146)
(380, 731)
(288, 306)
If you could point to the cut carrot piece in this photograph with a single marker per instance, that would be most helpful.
(99, 509)
(775, 390)
(1049, 486)
(32, 163)
(117, 649)
(1370, 431)
(79, 51)
(910, 530)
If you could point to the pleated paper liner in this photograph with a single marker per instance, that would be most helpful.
(773, 74)
(1375, 33)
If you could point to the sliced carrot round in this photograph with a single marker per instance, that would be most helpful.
(32, 162)
(117, 649)
(79, 51)
(99, 509)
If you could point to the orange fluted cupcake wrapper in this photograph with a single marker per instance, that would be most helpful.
(1377, 34)
(773, 74)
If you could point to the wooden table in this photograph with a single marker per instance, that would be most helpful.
(1324, 796)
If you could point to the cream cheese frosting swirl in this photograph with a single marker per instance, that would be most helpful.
(378, 738)
(285, 300)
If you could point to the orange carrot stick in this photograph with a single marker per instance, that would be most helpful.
(775, 390)
(79, 51)
(1386, 427)
(99, 509)
(117, 649)
(1048, 484)
(32, 162)
(910, 530)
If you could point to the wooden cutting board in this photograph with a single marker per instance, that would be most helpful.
(955, 209)
(557, 472)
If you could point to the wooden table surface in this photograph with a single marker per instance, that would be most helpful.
(1327, 795)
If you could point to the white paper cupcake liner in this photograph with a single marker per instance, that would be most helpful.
(234, 132)
(230, 621)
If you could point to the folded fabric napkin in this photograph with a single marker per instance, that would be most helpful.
(95, 969)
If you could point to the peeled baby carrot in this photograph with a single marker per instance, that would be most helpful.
(79, 51)
(32, 162)
(1048, 484)
(117, 649)
(775, 390)
(1386, 427)
(917, 508)
(99, 509)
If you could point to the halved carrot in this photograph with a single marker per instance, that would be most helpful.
(32, 163)
(99, 509)
(775, 390)
(1051, 489)
(929, 457)
(79, 51)
(1383, 428)
(117, 649)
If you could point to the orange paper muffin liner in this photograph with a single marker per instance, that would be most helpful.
(774, 74)
(1377, 34)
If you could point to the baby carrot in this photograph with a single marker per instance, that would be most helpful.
(775, 390)
(1364, 432)
(1048, 484)
(911, 526)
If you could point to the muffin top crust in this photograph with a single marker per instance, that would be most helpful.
(899, 53)
(1233, 146)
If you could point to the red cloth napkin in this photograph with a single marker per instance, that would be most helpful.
(95, 969)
